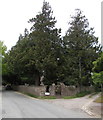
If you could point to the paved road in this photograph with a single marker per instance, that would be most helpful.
(0, 103)
(15, 105)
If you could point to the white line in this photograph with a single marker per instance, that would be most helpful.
(86, 106)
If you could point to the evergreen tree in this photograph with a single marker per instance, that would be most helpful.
(81, 48)
(21, 63)
(47, 43)
(3, 50)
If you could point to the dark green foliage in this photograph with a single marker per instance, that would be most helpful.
(47, 44)
(98, 64)
(81, 94)
(98, 72)
(36, 54)
(20, 62)
(81, 50)
(43, 53)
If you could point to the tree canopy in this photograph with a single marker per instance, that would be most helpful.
(82, 49)
(3, 66)
(44, 53)
(47, 43)
(98, 71)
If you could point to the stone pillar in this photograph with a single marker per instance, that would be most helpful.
(41, 81)
(63, 90)
(52, 90)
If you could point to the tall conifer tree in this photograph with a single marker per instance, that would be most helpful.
(47, 43)
(82, 48)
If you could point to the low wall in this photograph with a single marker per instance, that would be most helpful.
(35, 90)
(61, 90)
(72, 90)
(68, 90)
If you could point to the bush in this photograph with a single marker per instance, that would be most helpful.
(81, 94)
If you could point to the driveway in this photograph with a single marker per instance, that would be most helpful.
(15, 105)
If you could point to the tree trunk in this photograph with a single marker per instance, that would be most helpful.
(37, 79)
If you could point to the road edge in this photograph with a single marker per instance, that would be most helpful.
(85, 108)
(25, 95)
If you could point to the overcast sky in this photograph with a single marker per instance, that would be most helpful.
(14, 15)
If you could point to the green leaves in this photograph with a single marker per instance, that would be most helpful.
(81, 45)
(98, 64)
(98, 71)
(3, 49)
(47, 43)
(43, 53)
(98, 78)
(38, 51)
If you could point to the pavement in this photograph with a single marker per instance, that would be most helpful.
(96, 109)
(85, 104)
(17, 105)
(93, 108)
(0, 103)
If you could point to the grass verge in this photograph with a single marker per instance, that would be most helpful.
(99, 99)
(90, 96)
(47, 97)
(31, 95)
(40, 97)
(81, 94)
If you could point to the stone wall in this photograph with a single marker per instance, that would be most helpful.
(68, 90)
(52, 90)
(72, 90)
(61, 89)
(35, 90)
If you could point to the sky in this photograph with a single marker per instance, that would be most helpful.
(14, 16)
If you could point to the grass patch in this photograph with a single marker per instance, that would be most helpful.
(90, 96)
(81, 94)
(47, 97)
(31, 95)
(40, 97)
(69, 97)
(99, 99)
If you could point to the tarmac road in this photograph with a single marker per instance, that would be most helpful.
(15, 105)
(0, 102)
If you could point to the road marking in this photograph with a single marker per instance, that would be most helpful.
(86, 106)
